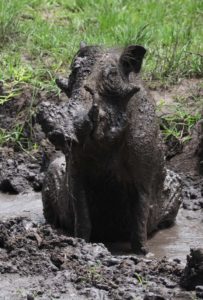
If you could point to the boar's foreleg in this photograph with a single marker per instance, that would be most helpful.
(139, 217)
(82, 225)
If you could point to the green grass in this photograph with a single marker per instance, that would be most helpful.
(44, 34)
(179, 124)
(38, 38)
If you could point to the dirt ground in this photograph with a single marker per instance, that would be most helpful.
(38, 262)
(41, 263)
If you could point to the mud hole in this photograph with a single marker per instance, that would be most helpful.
(38, 262)
(42, 263)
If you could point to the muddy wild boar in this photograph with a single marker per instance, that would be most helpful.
(109, 183)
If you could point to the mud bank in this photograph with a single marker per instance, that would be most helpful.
(37, 262)
(41, 263)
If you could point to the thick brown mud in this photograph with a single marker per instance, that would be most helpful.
(42, 263)
(37, 262)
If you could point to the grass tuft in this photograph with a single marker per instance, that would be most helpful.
(10, 11)
(179, 124)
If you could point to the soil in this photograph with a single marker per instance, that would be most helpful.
(21, 165)
(45, 264)
(39, 262)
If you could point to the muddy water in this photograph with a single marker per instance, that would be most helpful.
(24, 205)
(174, 242)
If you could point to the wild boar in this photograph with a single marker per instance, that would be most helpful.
(110, 183)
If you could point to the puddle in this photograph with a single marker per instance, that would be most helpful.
(174, 242)
(22, 205)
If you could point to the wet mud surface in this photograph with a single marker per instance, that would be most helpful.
(44, 264)
(38, 262)
(27, 205)
(174, 242)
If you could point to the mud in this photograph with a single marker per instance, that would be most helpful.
(20, 171)
(46, 264)
(173, 242)
(21, 165)
(38, 262)
(27, 205)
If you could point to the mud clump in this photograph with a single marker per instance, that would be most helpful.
(193, 273)
(192, 192)
(21, 165)
(59, 263)
(19, 171)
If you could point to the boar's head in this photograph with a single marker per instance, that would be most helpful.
(99, 87)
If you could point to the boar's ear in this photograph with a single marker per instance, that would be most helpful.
(131, 59)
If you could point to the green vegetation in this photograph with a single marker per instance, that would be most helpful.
(179, 124)
(38, 38)
(140, 279)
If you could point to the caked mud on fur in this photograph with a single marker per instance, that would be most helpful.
(109, 183)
